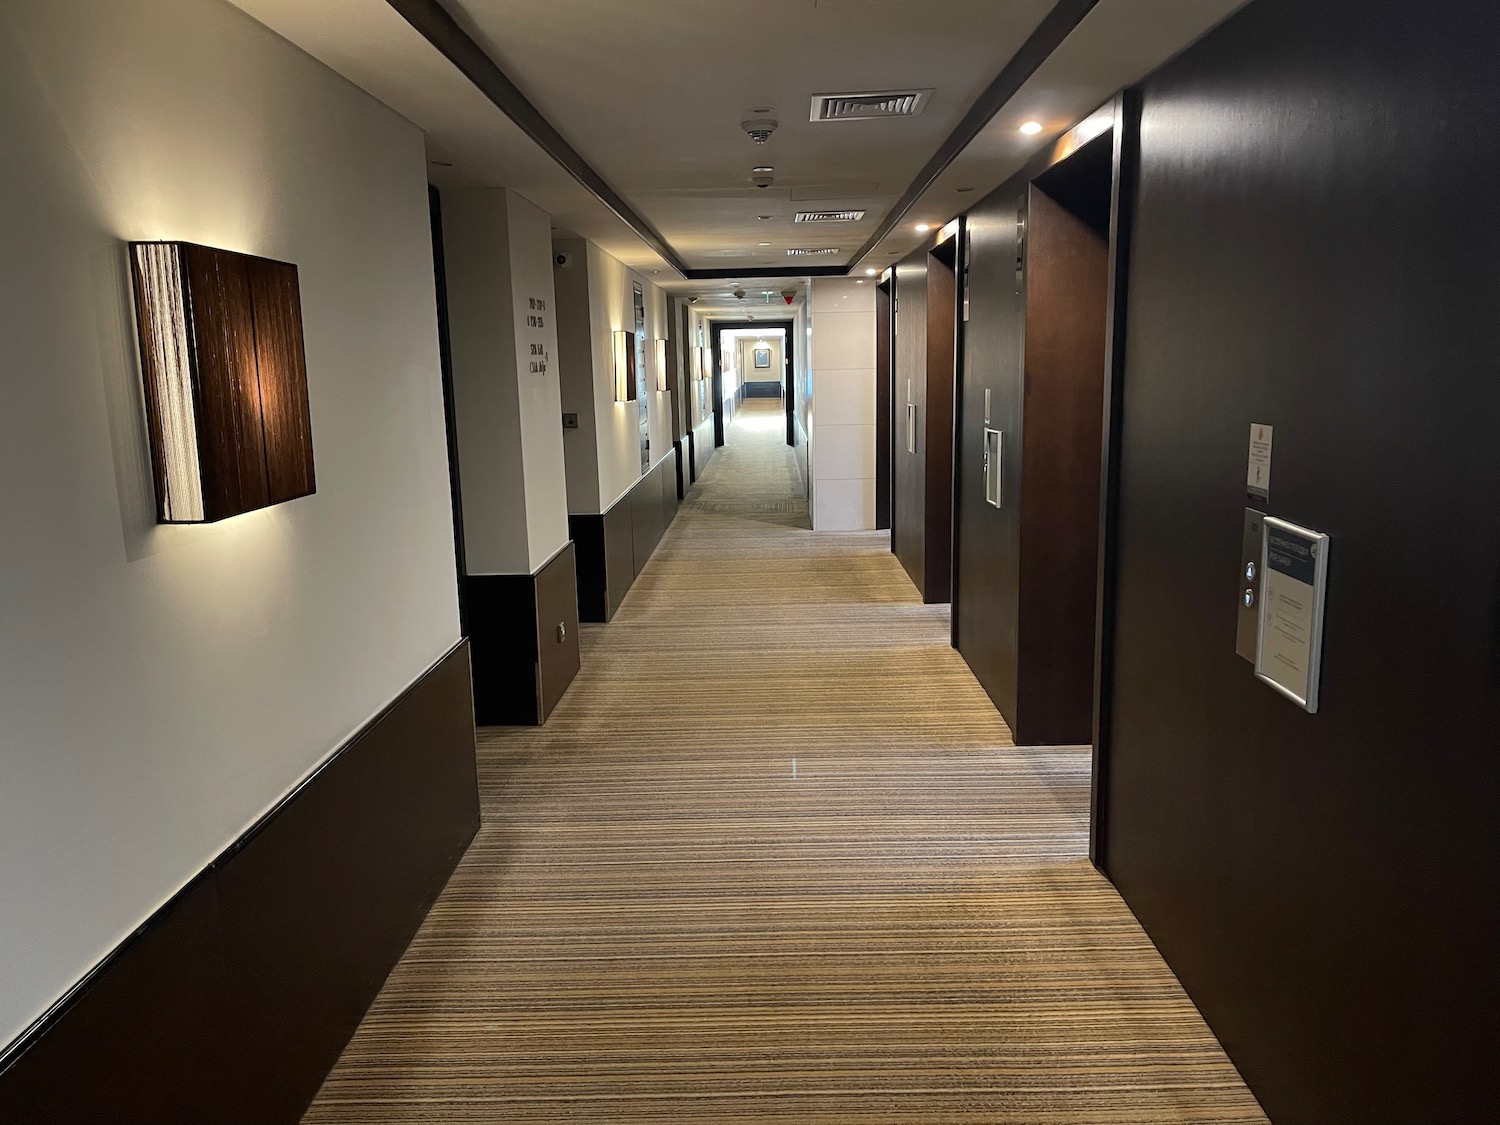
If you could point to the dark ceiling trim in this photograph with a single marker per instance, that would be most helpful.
(1058, 24)
(440, 29)
(752, 272)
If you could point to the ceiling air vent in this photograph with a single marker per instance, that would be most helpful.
(821, 250)
(865, 107)
(829, 216)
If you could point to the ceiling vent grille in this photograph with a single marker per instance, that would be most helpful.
(821, 250)
(866, 107)
(829, 216)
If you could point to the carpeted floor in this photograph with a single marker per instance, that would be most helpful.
(774, 859)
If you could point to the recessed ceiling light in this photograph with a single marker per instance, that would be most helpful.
(871, 273)
(861, 281)
(443, 163)
(1031, 128)
(765, 244)
(961, 190)
(923, 228)
(763, 218)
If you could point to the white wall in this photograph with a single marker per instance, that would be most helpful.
(745, 358)
(802, 382)
(597, 479)
(843, 365)
(498, 250)
(575, 369)
(161, 687)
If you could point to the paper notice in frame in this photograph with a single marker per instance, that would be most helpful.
(1258, 478)
(1294, 576)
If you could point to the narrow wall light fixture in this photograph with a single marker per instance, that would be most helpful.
(625, 372)
(225, 380)
(661, 365)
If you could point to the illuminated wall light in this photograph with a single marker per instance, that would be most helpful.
(661, 365)
(225, 380)
(1031, 128)
(626, 376)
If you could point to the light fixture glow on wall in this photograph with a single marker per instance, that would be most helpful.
(625, 372)
(661, 365)
(1031, 128)
(225, 380)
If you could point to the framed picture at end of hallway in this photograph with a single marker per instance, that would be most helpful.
(762, 359)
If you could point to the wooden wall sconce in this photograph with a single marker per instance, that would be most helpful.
(225, 379)
(661, 365)
(627, 381)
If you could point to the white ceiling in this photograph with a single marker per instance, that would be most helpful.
(652, 93)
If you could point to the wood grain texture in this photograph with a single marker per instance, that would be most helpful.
(282, 367)
(231, 443)
(1067, 295)
(1325, 885)
(663, 920)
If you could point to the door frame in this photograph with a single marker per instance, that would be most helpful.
(718, 328)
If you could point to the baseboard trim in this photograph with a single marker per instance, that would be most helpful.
(231, 1003)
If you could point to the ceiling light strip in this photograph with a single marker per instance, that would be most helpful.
(1056, 26)
(442, 31)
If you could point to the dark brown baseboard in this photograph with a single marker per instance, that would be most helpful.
(233, 1001)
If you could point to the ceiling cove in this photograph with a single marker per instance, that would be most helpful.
(440, 29)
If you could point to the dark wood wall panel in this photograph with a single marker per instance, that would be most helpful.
(987, 587)
(559, 656)
(1067, 295)
(646, 525)
(884, 395)
(614, 546)
(587, 532)
(1026, 574)
(619, 553)
(703, 446)
(521, 665)
(909, 468)
(230, 1005)
(937, 476)
(1315, 240)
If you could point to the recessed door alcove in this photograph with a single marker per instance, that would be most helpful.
(1032, 404)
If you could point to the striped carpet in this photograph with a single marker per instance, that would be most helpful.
(774, 859)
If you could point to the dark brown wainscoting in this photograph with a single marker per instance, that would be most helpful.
(614, 546)
(232, 1002)
(703, 446)
(524, 629)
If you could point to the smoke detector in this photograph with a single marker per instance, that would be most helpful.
(760, 128)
